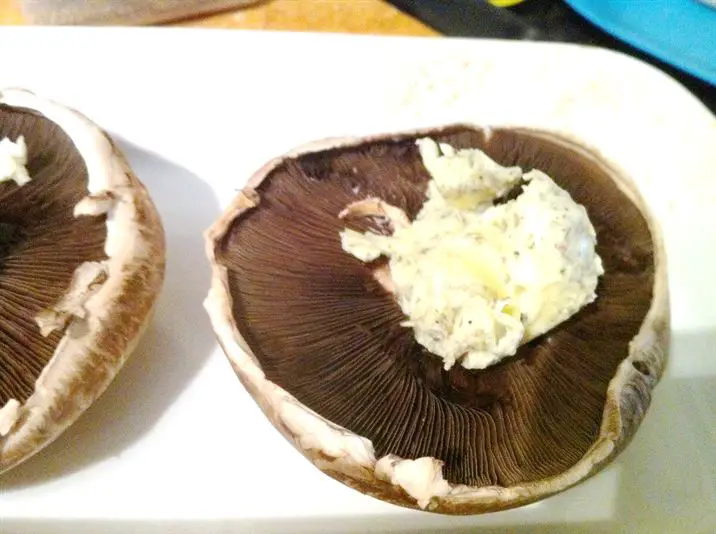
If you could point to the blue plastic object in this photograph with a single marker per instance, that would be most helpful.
(679, 32)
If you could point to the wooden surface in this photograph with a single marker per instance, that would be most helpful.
(352, 16)
(10, 12)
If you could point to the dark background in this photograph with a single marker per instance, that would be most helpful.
(543, 20)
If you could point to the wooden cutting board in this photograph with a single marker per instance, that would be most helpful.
(351, 16)
(120, 11)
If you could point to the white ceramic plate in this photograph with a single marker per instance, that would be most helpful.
(176, 444)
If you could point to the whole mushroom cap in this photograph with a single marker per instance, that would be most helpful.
(81, 266)
(316, 339)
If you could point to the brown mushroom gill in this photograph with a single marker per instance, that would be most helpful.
(41, 245)
(323, 329)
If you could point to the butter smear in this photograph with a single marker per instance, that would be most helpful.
(477, 279)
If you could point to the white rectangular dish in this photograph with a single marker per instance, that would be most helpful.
(176, 444)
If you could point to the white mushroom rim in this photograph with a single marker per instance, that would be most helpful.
(422, 478)
(94, 284)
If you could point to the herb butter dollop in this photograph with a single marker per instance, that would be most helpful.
(475, 279)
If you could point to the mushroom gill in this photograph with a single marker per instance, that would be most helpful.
(299, 316)
(81, 264)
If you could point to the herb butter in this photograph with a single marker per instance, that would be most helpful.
(475, 279)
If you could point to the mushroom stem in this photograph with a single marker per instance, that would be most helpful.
(371, 209)
(376, 207)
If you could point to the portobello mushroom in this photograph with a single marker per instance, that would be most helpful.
(316, 338)
(81, 266)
